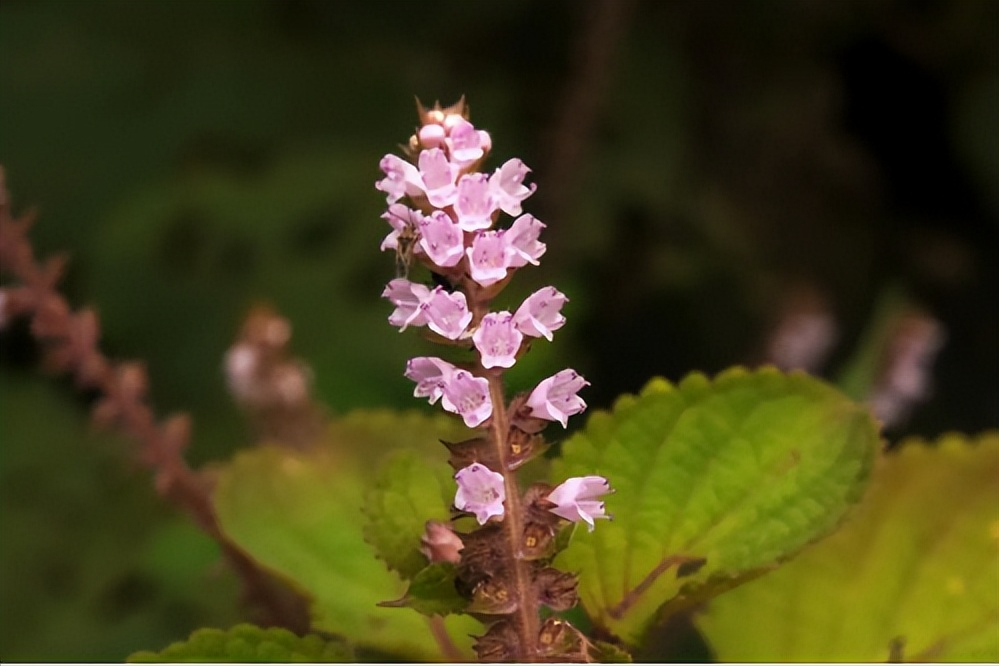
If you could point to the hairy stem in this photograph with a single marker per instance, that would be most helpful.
(526, 616)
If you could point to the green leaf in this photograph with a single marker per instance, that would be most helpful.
(248, 643)
(915, 570)
(432, 592)
(716, 482)
(608, 653)
(408, 491)
(299, 514)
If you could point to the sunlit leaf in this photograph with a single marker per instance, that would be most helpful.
(299, 514)
(248, 643)
(716, 482)
(915, 571)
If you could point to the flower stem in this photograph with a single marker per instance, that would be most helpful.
(526, 616)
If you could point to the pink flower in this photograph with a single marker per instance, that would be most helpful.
(438, 176)
(507, 185)
(474, 204)
(489, 257)
(466, 144)
(480, 491)
(401, 179)
(415, 304)
(408, 297)
(441, 239)
(430, 374)
(446, 313)
(497, 340)
(575, 499)
(403, 220)
(541, 313)
(555, 398)
(468, 396)
(431, 136)
(522, 236)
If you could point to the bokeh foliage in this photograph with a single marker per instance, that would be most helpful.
(197, 157)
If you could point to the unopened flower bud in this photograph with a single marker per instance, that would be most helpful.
(440, 544)
(431, 136)
(499, 644)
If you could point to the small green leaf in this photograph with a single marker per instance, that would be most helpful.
(408, 491)
(915, 572)
(716, 481)
(432, 592)
(248, 643)
(299, 514)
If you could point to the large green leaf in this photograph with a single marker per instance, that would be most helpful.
(407, 491)
(914, 571)
(299, 514)
(716, 481)
(248, 643)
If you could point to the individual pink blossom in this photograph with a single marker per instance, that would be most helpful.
(468, 396)
(489, 257)
(408, 297)
(522, 237)
(555, 398)
(441, 239)
(507, 186)
(497, 340)
(446, 313)
(404, 220)
(474, 204)
(438, 176)
(415, 304)
(465, 143)
(541, 313)
(401, 179)
(480, 491)
(430, 374)
(576, 499)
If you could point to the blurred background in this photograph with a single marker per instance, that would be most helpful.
(812, 184)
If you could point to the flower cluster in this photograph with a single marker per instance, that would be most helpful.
(450, 227)
(445, 214)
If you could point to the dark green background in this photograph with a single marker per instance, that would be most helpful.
(198, 157)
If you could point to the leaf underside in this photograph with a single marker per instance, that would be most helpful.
(915, 572)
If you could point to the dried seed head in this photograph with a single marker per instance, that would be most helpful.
(556, 589)
(558, 638)
(492, 597)
(538, 542)
(499, 643)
